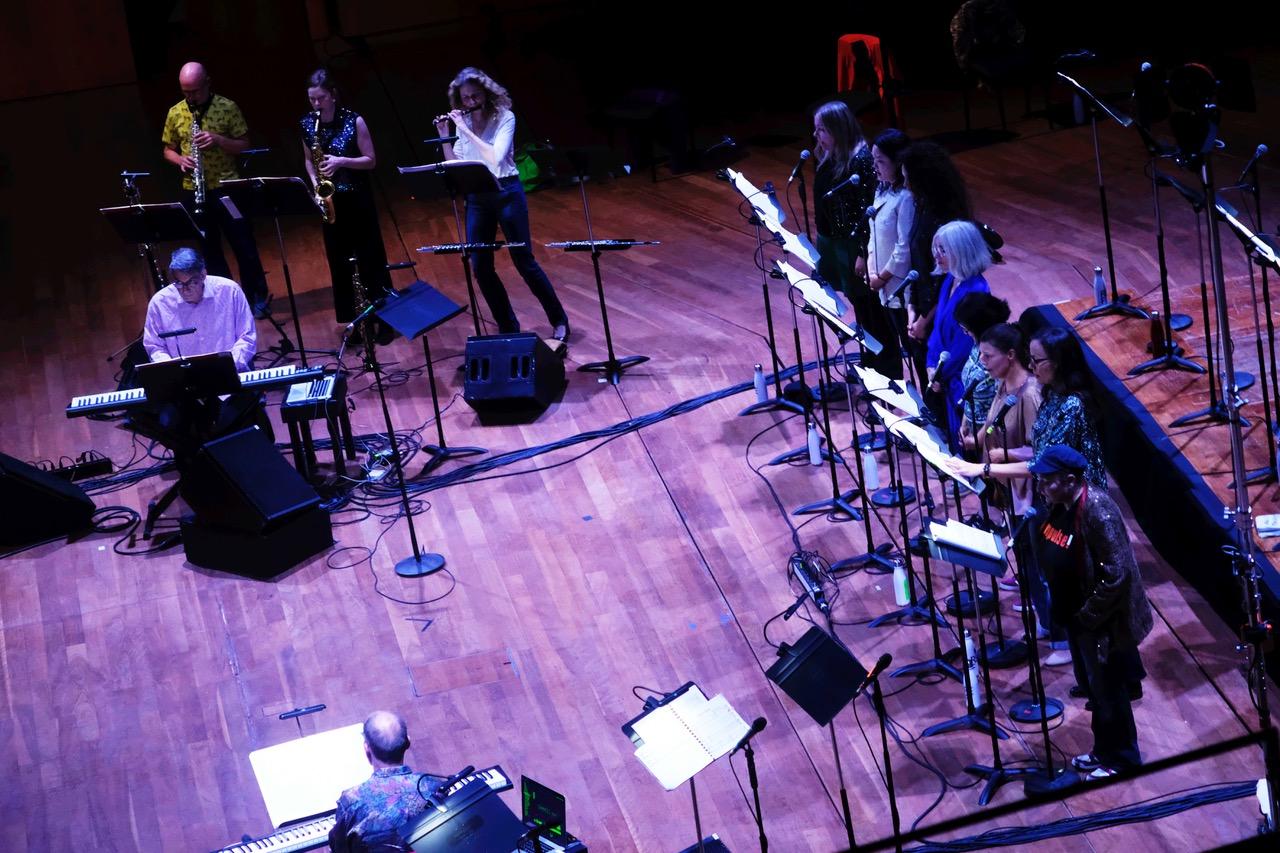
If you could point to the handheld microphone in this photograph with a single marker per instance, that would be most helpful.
(871, 211)
(1031, 513)
(189, 330)
(757, 726)
(942, 359)
(852, 181)
(1258, 154)
(1009, 403)
(804, 155)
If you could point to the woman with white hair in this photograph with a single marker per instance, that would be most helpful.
(961, 256)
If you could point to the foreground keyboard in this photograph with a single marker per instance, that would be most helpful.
(313, 834)
(120, 401)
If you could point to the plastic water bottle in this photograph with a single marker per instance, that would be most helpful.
(971, 662)
(901, 587)
(870, 470)
(815, 445)
(762, 388)
(1099, 286)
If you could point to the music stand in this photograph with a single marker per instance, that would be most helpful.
(414, 311)
(176, 382)
(140, 224)
(275, 197)
(453, 178)
(598, 164)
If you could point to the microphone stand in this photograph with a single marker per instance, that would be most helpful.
(777, 401)
(882, 555)
(754, 780)
(802, 451)
(1118, 304)
(419, 564)
(1169, 358)
(837, 503)
(877, 703)
(1005, 652)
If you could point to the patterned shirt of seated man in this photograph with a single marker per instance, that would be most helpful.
(370, 814)
(214, 306)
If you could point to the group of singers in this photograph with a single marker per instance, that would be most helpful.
(336, 142)
(902, 243)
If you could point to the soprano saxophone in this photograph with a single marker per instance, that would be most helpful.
(324, 187)
(197, 166)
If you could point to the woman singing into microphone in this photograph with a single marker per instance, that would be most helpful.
(340, 141)
(480, 109)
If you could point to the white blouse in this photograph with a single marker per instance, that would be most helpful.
(501, 134)
(889, 246)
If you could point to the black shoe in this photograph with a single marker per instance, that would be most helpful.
(1078, 692)
(1135, 691)
(561, 332)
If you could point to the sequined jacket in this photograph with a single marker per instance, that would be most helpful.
(1115, 607)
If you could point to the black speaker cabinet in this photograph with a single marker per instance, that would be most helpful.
(511, 378)
(254, 514)
(819, 675)
(38, 506)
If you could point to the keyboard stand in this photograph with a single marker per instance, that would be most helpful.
(334, 413)
(156, 508)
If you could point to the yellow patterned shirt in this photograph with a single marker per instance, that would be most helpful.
(222, 116)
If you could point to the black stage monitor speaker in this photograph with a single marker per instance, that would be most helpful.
(511, 378)
(819, 675)
(38, 505)
(241, 482)
(254, 514)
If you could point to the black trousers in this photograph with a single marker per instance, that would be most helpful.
(216, 222)
(1115, 736)
(355, 232)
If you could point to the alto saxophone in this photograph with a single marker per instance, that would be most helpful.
(324, 187)
(197, 166)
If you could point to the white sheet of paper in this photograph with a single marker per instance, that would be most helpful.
(687, 734)
(303, 777)
(972, 539)
(878, 386)
(926, 444)
(815, 295)
(759, 200)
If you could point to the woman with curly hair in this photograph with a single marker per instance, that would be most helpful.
(480, 110)
(940, 197)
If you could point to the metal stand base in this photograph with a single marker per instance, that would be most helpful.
(613, 368)
(1168, 361)
(439, 455)
(832, 505)
(881, 555)
(917, 614)
(1030, 712)
(986, 604)
(1003, 655)
(773, 404)
(1119, 306)
(420, 566)
(1179, 322)
(896, 495)
(996, 777)
(873, 441)
(1217, 413)
(933, 666)
(977, 721)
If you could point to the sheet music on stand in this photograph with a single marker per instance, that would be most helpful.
(895, 392)
(828, 304)
(675, 741)
(957, 534)
(303, 777)
(770, 215)
(928, 444)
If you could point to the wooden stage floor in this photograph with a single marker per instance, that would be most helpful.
(135, 687)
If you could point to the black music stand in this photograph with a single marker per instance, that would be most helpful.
(473, 819)
(597, 164)
(275, 197)
(414, 311)
(452, 178)
(177, 382)
(141, 224)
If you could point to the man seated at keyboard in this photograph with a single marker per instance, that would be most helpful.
(370, 814)
(216, 309)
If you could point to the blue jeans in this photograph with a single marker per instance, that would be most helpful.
(507, 207)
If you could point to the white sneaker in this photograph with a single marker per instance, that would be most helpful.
(1059, 657)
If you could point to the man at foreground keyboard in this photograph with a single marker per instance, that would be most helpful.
(370, 814)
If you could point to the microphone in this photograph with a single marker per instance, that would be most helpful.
(942, 359)
(438, 140)
(443, 790)
(907, 279)
(968, 393)
(804, 155)
(880, 666)
(725, 142)
(189, 330)
(800, 568)
(364, 315)
(852, 181)
(1258, 154)
(757, 726)
(1009, 403)
(1027, 516)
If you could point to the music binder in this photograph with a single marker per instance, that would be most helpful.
(968, 546)
(798, 246)
(680, 737)
(931, 447)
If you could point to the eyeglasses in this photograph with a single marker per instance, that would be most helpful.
(1032, 361)
(194, 281)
